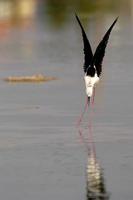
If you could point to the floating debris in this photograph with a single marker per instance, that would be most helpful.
(33, 78)
(96, 189)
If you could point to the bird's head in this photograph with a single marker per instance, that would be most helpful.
(89, 92)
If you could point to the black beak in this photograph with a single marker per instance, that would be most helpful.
(89, 100)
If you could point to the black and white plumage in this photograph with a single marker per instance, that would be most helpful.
(93, 63)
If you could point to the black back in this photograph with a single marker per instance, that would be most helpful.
(91, 71)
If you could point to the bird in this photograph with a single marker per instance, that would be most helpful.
(93, 62)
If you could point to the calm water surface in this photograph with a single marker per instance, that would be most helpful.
(41, 155)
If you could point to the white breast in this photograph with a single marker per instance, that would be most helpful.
(90, 83)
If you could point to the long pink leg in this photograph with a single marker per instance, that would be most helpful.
(82, 114)
(83, 141)
(79, 130)
(91, 147)
(93, 97)
(92, 144)
(91, 140)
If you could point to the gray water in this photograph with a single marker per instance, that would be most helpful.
(41, 155)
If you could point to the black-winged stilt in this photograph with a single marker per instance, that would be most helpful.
(93, 63)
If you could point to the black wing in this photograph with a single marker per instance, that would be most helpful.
(87, 48)
(100, 51)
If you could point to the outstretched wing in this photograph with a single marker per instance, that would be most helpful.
(100, 51)
(87, 48)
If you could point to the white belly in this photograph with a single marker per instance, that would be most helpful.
(90, 83)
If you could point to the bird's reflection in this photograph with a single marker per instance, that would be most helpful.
(96, 188)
